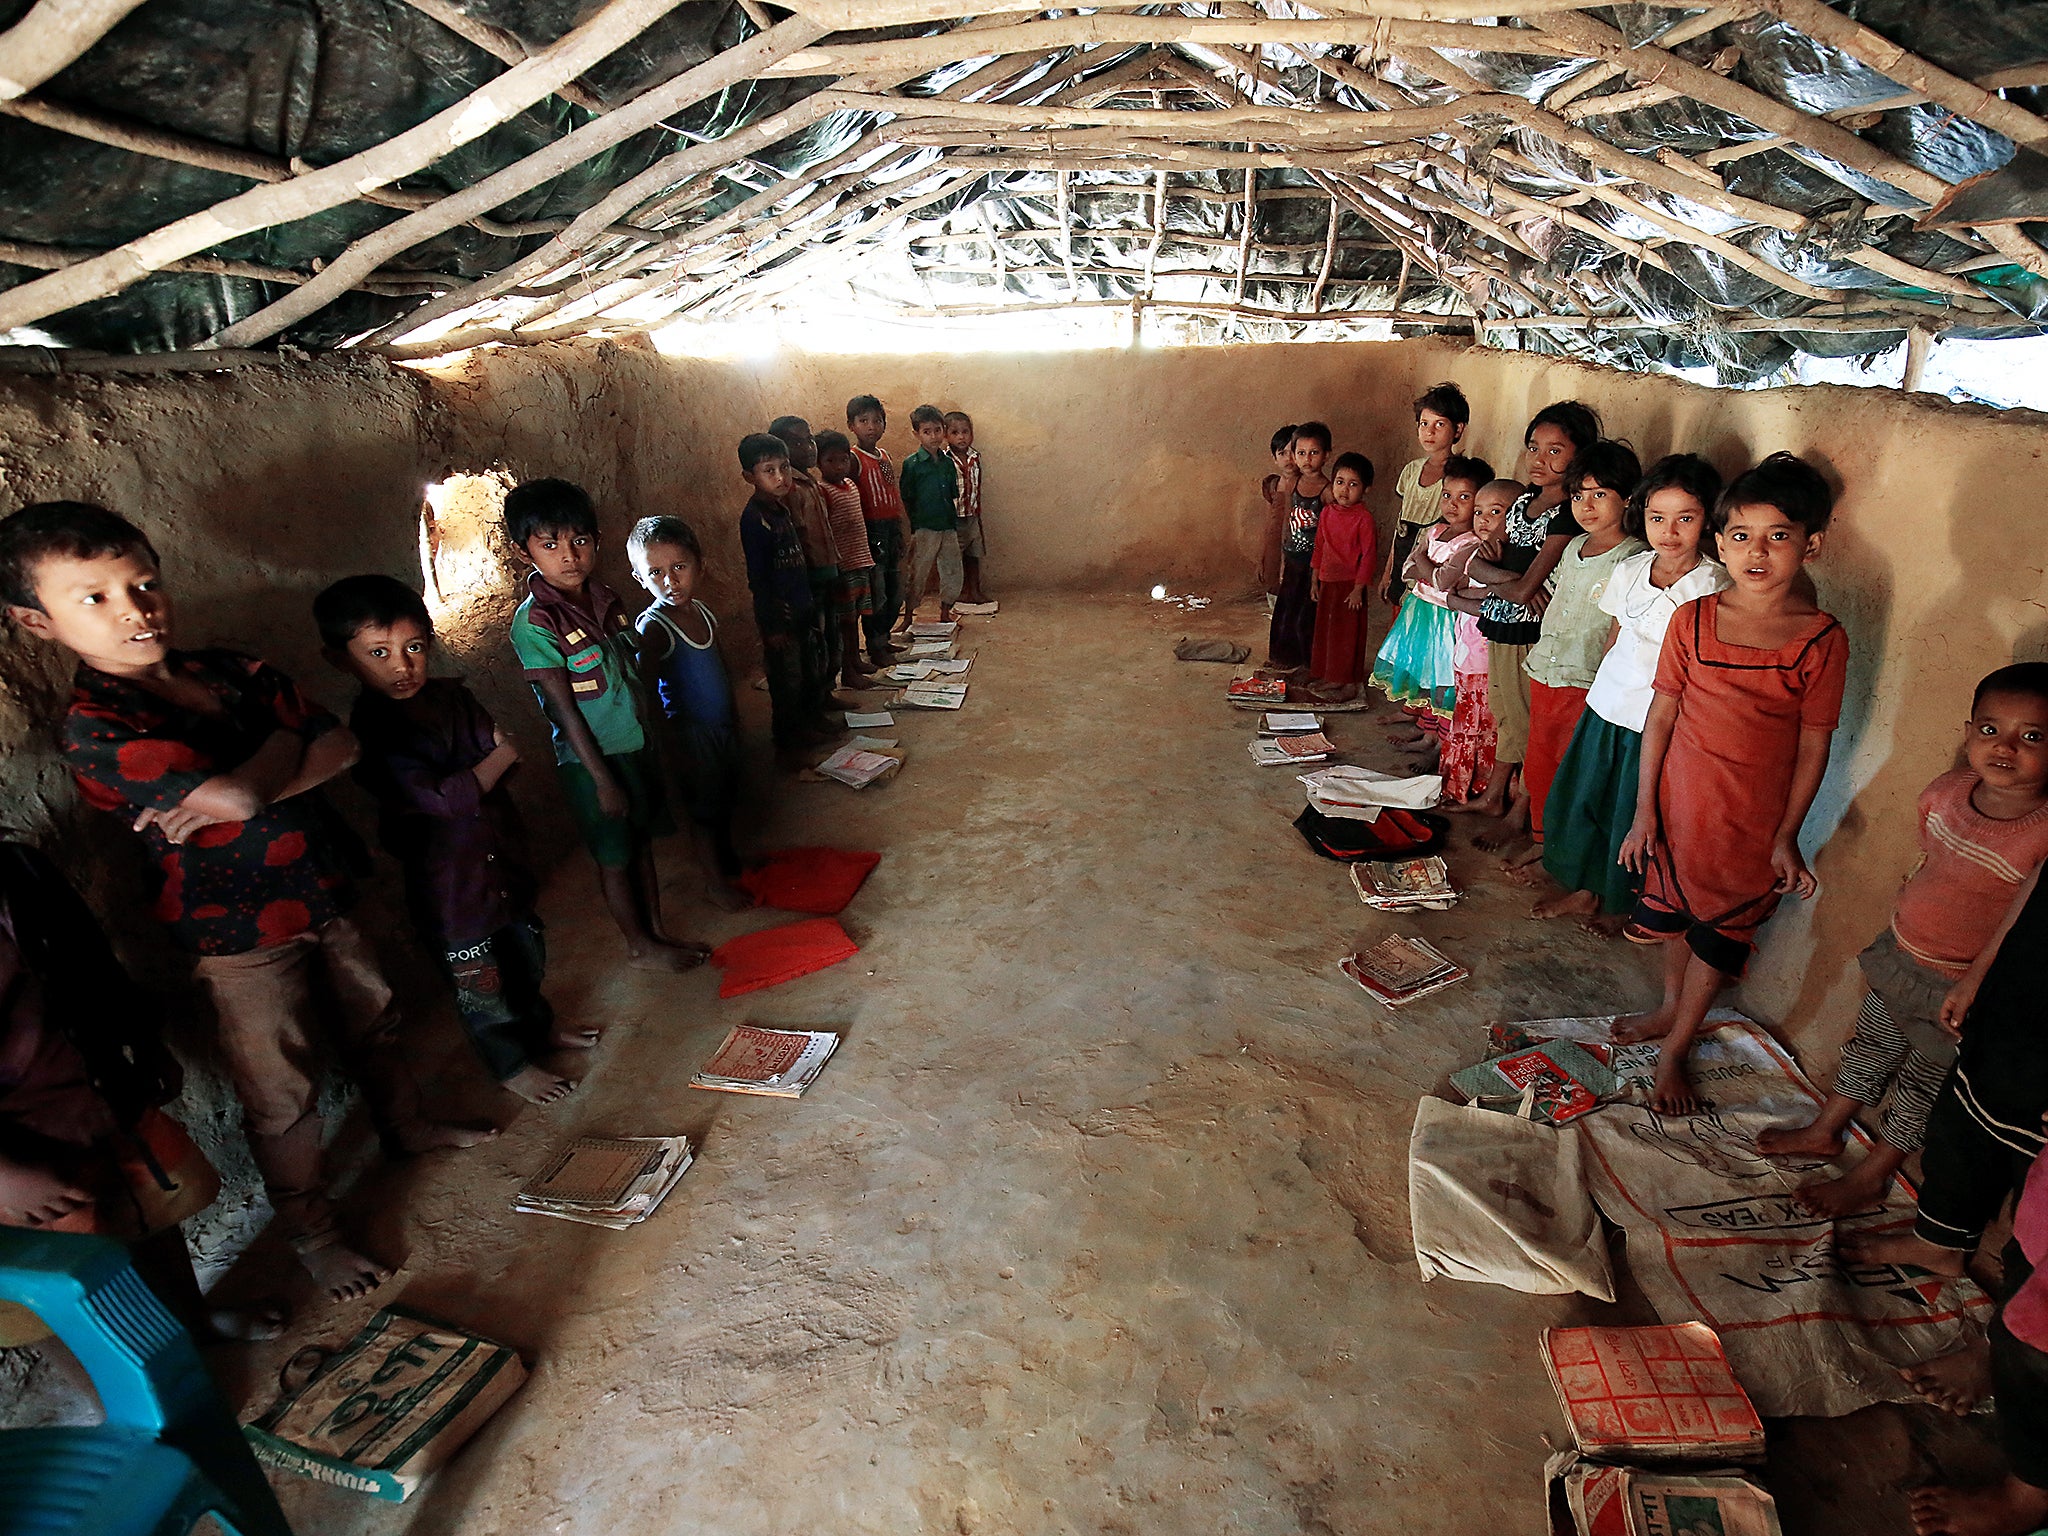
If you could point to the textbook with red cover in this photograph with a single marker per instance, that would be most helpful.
(1657, 1394)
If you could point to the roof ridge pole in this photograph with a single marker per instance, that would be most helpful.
(50, 37)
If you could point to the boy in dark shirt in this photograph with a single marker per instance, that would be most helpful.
(435, 762)
(931, 497)
(781, 585)
(216, 759)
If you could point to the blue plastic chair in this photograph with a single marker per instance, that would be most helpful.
(169, 1452)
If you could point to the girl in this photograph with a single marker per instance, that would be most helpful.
(1417, 666)
(1305, 488)
(1441, 416)
(1749, 688)
(1562, 664)
(1274, 529)
(1346, 554)
(1593, 798)
(1466, 759)
(1538, 528)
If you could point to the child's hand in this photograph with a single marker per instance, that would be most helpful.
(611, 800)
(1355, 599)
(34, 1197)
(1957, 1004)
(181, 821)
(498, 736)
(1634, 853)
(1315, 587)
(1794, 878)
(1386, 586)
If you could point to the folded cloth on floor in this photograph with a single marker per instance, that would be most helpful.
(771, 956)
(1185, 649)
(1393, 834)
(820, 880)
(1360, 792)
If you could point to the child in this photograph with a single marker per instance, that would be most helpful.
(973, 543)
(1749, 688)
(931, 497)
(806, 503)
(683, 670)
(1562, 664)
(1275, 526)
(216, 759)
(1983, 831)
(1537, 529)
(435, 763)
(571, 635)
(1466, 753)
(882, 507)
(1417, 664)
(1441, 416)
(856, 560)
(1593, 797)
(1347, 552)
(1304, 487)
(781, 585)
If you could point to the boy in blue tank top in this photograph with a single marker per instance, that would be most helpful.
(686, 676)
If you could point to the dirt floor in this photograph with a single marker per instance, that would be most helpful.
(1096, 1222)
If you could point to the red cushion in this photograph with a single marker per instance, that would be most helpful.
(821, 880)
(775, 955)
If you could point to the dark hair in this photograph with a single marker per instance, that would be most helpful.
(355, 602)
(860, 405)
(781, 426)
(1458, 467)
(1687, 472)
(60, 530)
(1447, 400)
(665, 530)
(1610, 464)
(2027, 677)
(1283, 438)
(1784, 481)
(1315, 432)
(1515, 489)
(1354, 461)
(548, 506)
(927, 413)
(833, 442)
(1580, 423)
(952, 417)
(756, 447)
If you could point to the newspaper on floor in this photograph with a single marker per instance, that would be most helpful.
(977, 610)
(933, 630)
(1404, 885)
(774, 1063)
(1590, 1499)
(858, 767)
(607, 1181)
(932, 696)
(862, 720)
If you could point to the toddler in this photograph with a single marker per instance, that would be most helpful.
(1441, 416)
(973, 542)
(1346, 554)
(1417, 663)
(1305, 488)
(882, 507)
(856, 560)
(781, 584)
(931, 497)
(806, 502)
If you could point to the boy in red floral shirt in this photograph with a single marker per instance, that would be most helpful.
(216, 759)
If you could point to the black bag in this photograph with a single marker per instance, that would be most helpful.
(1397, 834)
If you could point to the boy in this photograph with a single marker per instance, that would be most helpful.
(435, 763)
(216, 759)
(882, 507)
(967, 460)
(856, 559)
(931, 496)
(781, 585)
(684, 673)
(571, 637)
(806, 503)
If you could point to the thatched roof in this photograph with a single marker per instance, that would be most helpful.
(1649, 185)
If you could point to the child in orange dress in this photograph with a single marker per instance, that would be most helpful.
(1749, 689)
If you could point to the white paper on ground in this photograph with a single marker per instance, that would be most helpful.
(1359, 793)
(874, 743)
(856, 720)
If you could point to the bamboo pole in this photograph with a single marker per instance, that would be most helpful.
(1315, 298)
(1066, 215)
(854, 15)
(1280, 124)
(1244, 238)
(505, 46)
(51, 36)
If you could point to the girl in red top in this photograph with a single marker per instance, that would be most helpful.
(1347, 552)
(1748, 692)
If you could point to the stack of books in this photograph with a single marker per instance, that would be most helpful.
(1270, 751)
(1405, 885)
(1289, 724)
(929, 650)
(1257, 692)
(607, 1181)
(1663, 1394)
(1556, 1080)
(977, 610)
(1398, 970)
(935, 631)
(776, 1063)
(857, 768)
(933, 696)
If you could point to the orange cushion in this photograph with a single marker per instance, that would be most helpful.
(774, 955)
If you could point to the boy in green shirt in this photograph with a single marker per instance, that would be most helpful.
(931, 496)
(575, 641)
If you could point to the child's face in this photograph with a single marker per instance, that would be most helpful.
(931, 436)
(1673, 520)
(771, 477)
(390, 659)
(668, 571)
(959, 435)
(111, 610)
(1348, 487)
(1309, 455)
(803, 447)
(1551, 453)
(1284, 454)
(1436, 434)
(836, 466)
(1455, 504)
(2007, 742)
(1764, 549)
(1597, 508)
(867, 428)
(1490, 516)
(564, 557)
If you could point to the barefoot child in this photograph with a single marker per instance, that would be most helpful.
(216, 759)
(806, 502)
(882, 507)
(1562, 664)
(856, 559)
(1593, 797)
(435, 763)
(1441, 416)
(1305, 488)
(1276, 512)
(1465, 756)
(781, 588)
(1983, 832)
(572, 638)
(1749, 689)
(1417, 665)
(682, 670)
(973, 542)
(931, 497)
(1346, 554)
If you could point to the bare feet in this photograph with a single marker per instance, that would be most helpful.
(1528, 857)
(1957, 1381)
(1904, 1249)
(1634, 1028)
(729, 898)
(574, 1037)
(668, 957)
(1477, 807)
(1856, 1193)
(1608, 925)
(1673, 1093)
(1407, 738)
(437, 1136)
(1503, 836)
(2011, 1508)
(252, 1324)
(537, 1085)
(342, 1273)
(1812, 1140)
(1567, 904)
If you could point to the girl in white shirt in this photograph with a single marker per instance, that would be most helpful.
(1593, 798)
